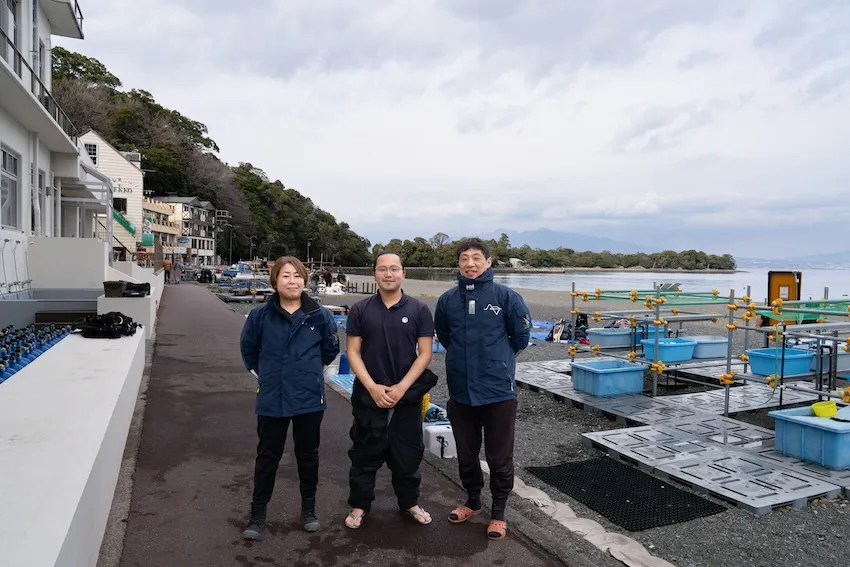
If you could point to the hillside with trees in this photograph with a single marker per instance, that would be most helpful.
(179, 158)
(439, 252)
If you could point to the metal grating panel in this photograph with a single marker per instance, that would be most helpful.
(725, 431)
(838, 478)
(651, 446)
(556, 365)
(644, 410)
(741, 398)
(752, 483)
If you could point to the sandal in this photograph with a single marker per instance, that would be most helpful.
(354, 521)
(462, 513)
(419, 514)
(497, 529)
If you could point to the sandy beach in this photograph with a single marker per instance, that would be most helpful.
(549, 432)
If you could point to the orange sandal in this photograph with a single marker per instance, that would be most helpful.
(497, 529)
(462, 513)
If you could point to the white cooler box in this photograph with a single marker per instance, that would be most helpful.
(440, 440)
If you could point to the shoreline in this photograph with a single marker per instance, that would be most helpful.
(566, 270)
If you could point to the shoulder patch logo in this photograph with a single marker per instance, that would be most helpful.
(494, 308)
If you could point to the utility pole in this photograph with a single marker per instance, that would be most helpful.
(230, 256)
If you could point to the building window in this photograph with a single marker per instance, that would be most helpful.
(91, 149)
(9, 174)
(120, 205)
(9, 24)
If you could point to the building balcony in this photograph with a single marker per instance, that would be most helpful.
(66, 18)
(29, 101)
(165, 227)
(157, 206)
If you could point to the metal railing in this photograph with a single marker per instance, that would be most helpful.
(101, 235)
(78, 15)
(18, 63)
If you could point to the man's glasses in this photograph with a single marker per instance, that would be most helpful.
(389, 269)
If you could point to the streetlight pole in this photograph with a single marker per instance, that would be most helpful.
(230, 257)
(251, 254)
(308, 254)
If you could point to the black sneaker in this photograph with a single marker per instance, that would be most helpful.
(310, 521)
(254, 529)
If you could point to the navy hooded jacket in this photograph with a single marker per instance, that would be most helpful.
(483, 326)
(288, 353)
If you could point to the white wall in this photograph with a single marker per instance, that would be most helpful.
(63, 263)
(13, 265)
(64, 438)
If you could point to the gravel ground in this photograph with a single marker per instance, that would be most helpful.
(549, 432)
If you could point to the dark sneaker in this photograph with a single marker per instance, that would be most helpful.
(254, 529)
(310, 521)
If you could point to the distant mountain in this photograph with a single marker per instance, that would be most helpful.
(823, 260)
(549, 239)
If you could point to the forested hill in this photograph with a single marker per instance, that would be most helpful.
(179, 157)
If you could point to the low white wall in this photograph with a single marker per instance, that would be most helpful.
(63, 263)
(64, 421)
(141, 309)
(142, 274)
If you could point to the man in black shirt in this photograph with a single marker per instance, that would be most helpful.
(389, 338)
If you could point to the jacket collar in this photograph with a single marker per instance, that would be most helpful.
(470, 285)
(308, 304)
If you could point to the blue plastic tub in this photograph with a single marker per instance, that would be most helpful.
(818, 440)
(767, 361)
(710, 347)
(608, 377)
(669, 349)
(611, 337)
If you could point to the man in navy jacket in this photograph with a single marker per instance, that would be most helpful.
(285, 343)
(483, 326)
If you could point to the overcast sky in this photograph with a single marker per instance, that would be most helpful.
(720, 125)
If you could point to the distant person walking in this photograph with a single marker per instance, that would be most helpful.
(285, 343)
(389, 348)
(166, 267)
(483, 326)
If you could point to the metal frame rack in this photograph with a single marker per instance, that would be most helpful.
(662, 309)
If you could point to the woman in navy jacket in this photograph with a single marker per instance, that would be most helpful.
(285, 343)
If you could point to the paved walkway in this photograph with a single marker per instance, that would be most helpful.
(193, 477)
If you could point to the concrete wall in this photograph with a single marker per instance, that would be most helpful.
(62, 263)
(64, 436)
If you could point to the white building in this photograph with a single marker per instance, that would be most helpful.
(47, 188)
(124, 170)
(197, 221)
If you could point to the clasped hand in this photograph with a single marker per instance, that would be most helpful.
(386, 396)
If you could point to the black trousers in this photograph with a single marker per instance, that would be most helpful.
(271, 431)
(497, 422)
(398, 444)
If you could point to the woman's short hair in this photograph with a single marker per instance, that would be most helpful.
(281, 262)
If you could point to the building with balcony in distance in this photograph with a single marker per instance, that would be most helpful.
(196, 243)
(159, 232)
(124, 170)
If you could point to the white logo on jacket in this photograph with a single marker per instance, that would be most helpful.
(494, 308)
(404, 319)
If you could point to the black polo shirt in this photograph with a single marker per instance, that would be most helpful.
(389, 336)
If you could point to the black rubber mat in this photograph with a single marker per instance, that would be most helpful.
(628, 497)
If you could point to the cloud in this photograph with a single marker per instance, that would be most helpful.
(674, 124)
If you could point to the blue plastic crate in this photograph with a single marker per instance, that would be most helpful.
(818, 440)
(669, 349)
(710, 347)
(611, 337)
(767, 361)
(608, 377)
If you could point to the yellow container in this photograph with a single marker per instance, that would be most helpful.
(824, 409)
(426, 403)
